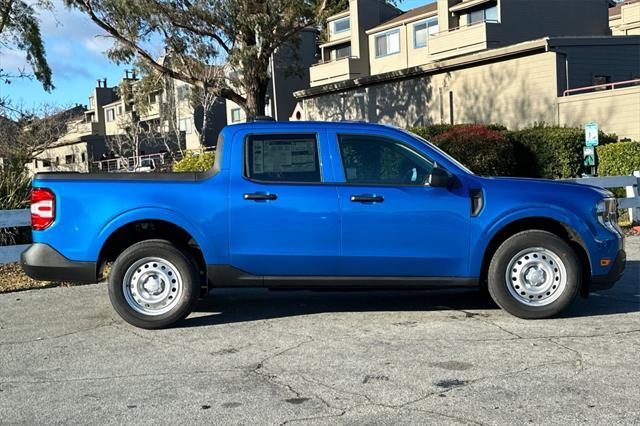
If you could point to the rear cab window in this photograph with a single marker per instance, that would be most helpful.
(282, 158)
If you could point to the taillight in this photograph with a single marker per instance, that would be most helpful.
(43, 208)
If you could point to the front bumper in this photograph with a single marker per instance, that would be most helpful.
(604, 282)
(44, 263)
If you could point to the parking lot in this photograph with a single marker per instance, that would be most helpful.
(260, 357)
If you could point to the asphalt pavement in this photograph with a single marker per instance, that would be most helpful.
(260, 357)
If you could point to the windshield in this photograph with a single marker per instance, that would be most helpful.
(441, 152)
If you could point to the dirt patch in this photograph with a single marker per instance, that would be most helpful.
(13, 279)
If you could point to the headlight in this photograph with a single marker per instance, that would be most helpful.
(607, 213)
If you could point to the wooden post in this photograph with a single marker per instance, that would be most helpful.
(632, 192)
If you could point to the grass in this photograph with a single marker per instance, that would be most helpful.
(13, 279)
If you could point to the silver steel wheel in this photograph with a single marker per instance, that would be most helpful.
(152, 286)
(536, 277)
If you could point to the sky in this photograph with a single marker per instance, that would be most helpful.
(75, 49)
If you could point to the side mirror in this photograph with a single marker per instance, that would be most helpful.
(439, 178)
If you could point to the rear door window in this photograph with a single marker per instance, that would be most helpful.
(282, 158)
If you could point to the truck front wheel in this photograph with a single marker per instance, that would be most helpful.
(534, 274)
(153, 284)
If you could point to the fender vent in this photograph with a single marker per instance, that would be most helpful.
(477, 201)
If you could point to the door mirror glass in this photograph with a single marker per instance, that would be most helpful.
(439, 178)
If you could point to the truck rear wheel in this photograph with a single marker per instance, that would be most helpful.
(534, 274)
(153, 284)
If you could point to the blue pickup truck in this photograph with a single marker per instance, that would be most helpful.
(323, 205)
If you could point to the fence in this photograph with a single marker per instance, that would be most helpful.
(630, 183)
(17, 218)
(10, 219)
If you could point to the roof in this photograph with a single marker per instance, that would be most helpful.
(407, 16)
(616, 10)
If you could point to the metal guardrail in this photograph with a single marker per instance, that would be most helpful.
(631, 184)
(11, 219)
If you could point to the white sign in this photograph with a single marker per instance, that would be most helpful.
(591, 134)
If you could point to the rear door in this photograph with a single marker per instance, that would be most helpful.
(392, 223)
(282, 219)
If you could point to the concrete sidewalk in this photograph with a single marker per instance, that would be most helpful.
(259, 357)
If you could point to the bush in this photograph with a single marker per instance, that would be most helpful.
(192, 162)
(551, 152)
(618, 159)
(485, 151)
(15, 186)
(431, 131)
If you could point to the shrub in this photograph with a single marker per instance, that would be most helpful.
(15, 186)
(431, 131)
(551, 152)
(618, 159)
(192, 162)
(483, 150)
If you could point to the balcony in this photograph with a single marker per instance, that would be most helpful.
(82, 128)
(333, 71)
(463, 40)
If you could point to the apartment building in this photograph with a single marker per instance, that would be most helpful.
(624, 18)
(345, 54)
(289, 67)
(108, 117)
(501, 61)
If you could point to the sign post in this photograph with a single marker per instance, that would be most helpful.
(589, 150)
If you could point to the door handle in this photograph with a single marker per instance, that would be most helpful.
(260, 197)
(367, 198)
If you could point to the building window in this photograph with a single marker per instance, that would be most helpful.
(422, 31)
(184, 124)
(119, 109)
(92, 102)
(111, 114)
(236, 115)
(46, 163)
(84, 157)
(282, 158)
(69, 159)
(488, 14)
(598, 80)
(341, 51)
(341, 25)
(388, 43)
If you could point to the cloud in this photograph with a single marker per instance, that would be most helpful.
(98, 44)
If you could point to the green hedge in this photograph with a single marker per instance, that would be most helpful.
(540, 151)
(618, 159)
(551, 152)
(485, 151)
(192, 162)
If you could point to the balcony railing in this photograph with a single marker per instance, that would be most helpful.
(464, 39)
(598, 87)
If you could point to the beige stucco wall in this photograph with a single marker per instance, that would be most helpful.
(628, 22)
(57, 155)
(515, 92)
(616, 111)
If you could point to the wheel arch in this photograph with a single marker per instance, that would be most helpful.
(135, 226)
(542, 223)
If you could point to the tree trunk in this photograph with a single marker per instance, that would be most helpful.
(256, 99)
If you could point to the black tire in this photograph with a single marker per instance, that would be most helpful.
(186, 296)
(502, 291)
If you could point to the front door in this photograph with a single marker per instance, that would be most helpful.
(282, 219)
(392, 223)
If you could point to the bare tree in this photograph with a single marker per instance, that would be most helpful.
(27, 133)
(199, 33)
